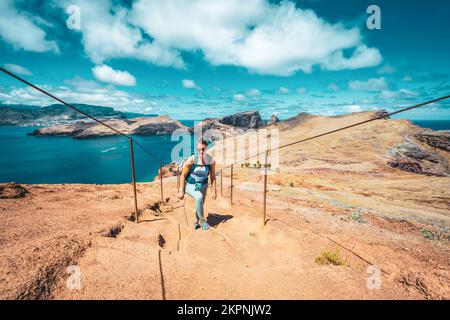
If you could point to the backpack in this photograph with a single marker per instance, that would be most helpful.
(189, 179)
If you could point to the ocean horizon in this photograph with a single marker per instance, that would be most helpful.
(50, 160)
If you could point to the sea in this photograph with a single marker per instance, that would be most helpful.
(47, 160)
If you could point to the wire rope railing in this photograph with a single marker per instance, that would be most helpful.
(131, 140)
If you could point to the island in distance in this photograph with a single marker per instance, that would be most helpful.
(30, 115)
(59, 120)
(154, 125)
(138, 126)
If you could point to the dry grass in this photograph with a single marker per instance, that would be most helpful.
(333, 257)
(277, 180)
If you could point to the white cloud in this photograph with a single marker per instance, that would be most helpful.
(402, 93)
(386, 69)
(301, 90)
(107, 74)
(388, 94)
(239, 97)
(376, 84)
(363, 57)
(265, 38)
(15, 68)
(253, 92)
(79, 90)
(408, 93)
(333, 86)
(283, 90)
(107, 34)
(353, 108)
(190, 84)
(407, 78)
(22, 31)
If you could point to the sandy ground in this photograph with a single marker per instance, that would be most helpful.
(163, 257)
(374, 215)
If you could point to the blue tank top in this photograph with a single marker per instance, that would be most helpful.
(198, 174)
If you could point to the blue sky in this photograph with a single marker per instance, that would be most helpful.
(197, 59)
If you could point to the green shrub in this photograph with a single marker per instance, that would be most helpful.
(357, 216)
(427, 233)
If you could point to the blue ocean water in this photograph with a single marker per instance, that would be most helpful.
(433, 124)
(29, 159)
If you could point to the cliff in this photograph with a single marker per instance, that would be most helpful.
(230, 125)
(383, 144)
(138, 126)
(227, 126)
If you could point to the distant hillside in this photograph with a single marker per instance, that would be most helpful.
(25, 115)
(386, 145)
(138, 126)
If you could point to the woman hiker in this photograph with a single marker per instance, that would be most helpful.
(194, 181)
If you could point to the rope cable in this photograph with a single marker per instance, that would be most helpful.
(79, 111)
(342, 128)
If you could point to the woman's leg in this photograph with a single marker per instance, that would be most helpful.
(199, 198)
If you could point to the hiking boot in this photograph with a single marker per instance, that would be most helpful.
(205, 225)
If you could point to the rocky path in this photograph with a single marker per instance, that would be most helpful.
(163, 257)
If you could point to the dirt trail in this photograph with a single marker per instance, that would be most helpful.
(163, 257)
(50, 228)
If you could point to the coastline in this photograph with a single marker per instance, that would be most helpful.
(20, 162)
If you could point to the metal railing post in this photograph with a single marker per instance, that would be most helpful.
(133, 176)
(161, 181)
(231, 185)
(221, 194)
(215, 182)
(265, 189)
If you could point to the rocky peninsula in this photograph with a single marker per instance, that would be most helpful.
(138, 126)
(227, 126)
(233, 124)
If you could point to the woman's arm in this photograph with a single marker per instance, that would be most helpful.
(187, 166)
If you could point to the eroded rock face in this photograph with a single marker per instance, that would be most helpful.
(381, 114)
(273, 119)
(156, 128)
(416, 152)
(228, 126)
(247, 119)
(437, 139)
(140, 126)
(209, 124)
(12, 190)
(411, 157)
